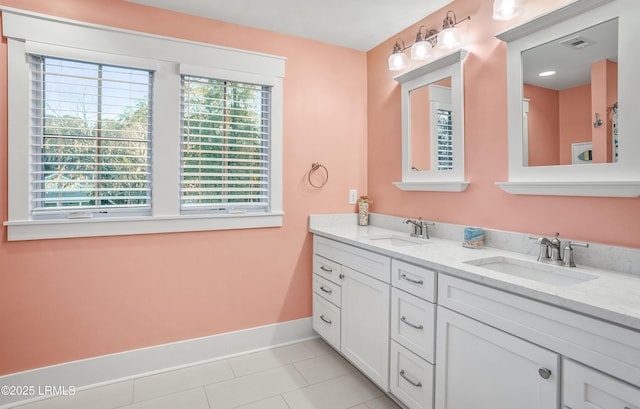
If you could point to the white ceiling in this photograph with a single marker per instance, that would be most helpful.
(357, 24)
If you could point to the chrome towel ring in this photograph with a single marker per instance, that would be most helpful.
(315, 166)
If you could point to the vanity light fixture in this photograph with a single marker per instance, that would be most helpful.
(421, 49)
(449, 38)
(504, 10)
(398, 60)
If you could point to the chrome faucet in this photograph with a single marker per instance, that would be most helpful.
(552, 252)
(420, 227)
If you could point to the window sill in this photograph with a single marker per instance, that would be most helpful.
(57, 229)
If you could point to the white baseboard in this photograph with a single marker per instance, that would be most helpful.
(118, 367)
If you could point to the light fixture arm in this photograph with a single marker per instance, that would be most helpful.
(397, 48)
(450, 22)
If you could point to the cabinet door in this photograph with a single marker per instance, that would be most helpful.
(479, 366)
(365, 325)
(585, 388)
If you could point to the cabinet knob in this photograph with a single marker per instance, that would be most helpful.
(545, 373)
(341, 276)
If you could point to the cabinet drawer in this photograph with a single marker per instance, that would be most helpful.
(326, 321)
(413, 323)
(411, 378)
(327, 269)
(418, 281)
(587, 388)
(364, 261)
(327, 290)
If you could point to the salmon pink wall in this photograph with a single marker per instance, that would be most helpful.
(614, 221)
(544, 125)
(63, 300)
(575, 119)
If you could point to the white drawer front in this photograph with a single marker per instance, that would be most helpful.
(584, 387)
(411, 378)
(326, 268)
(327, 290)
(364, 261)
(326, 321)
(413, 323)
(418, 281)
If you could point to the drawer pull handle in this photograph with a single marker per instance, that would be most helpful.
(412, 325)
(325, 320)
(327, 269)
(326, 290)
(416, 384)
(544, 373)
(411, 280)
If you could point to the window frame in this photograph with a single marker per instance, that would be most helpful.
(29, 33)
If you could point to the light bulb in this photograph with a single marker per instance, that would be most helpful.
(421, 50)
(504, 10)
(398, 61)
(450, 38)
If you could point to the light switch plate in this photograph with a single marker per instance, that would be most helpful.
(353, 196)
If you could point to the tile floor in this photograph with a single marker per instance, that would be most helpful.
(305, 375)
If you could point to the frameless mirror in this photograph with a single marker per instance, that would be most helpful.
(433, 126)
(558, 125)
(570, 89)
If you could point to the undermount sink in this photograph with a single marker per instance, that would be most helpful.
(533, 270)
(397, 240)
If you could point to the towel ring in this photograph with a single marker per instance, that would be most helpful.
(315, 166)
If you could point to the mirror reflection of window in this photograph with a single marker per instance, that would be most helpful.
(568, 82)
(431, 127)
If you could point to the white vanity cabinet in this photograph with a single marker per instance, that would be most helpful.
(586, 388)
(413, 318)
(433, 340)
(351, 305)
(495, 349)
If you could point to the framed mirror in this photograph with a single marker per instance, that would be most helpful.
(572, 93)
(432, 105)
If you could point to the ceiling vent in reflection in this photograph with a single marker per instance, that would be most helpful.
(577, 42)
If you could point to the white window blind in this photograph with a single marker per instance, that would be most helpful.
(225, 149)
(445, 139)
(91, 138)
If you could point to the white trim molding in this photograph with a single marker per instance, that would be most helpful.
(29, 32)
(449, 66)
(113, 368)
(618, 179)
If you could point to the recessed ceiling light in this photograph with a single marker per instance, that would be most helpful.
(547, 73)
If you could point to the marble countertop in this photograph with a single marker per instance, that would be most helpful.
(612, 296)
